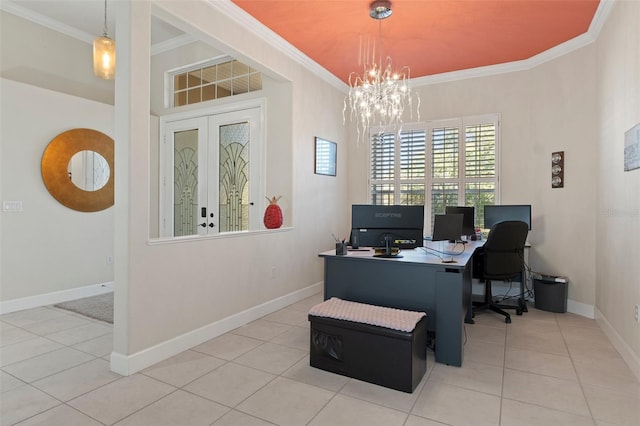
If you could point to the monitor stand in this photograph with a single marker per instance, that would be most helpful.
(388, 251)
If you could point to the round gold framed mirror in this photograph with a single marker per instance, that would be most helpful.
(57, 175)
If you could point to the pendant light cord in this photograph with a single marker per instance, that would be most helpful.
(105, 18)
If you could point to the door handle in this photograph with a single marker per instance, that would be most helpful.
(211, 225)
(203, 224)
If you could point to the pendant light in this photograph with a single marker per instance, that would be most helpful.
(104, 53)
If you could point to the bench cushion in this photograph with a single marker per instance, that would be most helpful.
(396, 319)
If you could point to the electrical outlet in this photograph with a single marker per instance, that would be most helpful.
(638, 313)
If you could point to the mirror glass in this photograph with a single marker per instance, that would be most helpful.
(88, 170)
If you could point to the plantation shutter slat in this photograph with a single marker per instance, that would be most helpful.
(412, 154)
(480, 150)
(383, 160)
(444, 153)
(382, 157)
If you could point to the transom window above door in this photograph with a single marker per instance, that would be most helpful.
(214, 79)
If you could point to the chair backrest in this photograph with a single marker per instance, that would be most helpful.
(504, 249)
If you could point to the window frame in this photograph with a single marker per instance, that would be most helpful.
(170, 80)
(461, 123)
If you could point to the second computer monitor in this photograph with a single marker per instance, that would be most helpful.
(499, 213)
(447, 227)
(468, 219)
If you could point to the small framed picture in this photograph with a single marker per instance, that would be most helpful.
(325, 158)
(632, 148)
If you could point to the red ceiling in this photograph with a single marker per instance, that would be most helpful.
(430, 36)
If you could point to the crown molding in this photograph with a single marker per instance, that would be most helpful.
(45, 21)
(173, 43)
(252, 25)
(256, 27)
(600, 17)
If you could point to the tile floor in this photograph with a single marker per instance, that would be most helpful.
(543, 369)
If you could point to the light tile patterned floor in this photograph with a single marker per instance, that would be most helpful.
(543, 369)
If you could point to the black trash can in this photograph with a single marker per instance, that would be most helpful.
(550, 293)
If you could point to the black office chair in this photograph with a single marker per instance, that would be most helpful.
(500, 258)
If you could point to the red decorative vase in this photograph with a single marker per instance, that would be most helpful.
(273, 214)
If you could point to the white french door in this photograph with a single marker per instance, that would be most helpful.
(210, 169)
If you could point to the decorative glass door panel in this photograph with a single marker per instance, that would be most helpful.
(181, 175)
(234, 177)
(185, 183)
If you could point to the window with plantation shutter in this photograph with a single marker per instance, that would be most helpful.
(480, 167)
(383, 168)
(442, 163)
(398, 167)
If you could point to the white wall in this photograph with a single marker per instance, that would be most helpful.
(47, 247)
(167, 291)
(618, 202)
(26, 46)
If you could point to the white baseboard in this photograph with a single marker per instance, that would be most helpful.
(583, 309)
(130, 364)
(625, 351)
(52, 298)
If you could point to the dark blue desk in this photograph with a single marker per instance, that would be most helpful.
(418, 281)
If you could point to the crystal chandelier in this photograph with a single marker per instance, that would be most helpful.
(380, 95)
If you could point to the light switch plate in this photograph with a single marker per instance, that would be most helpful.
(12, 206)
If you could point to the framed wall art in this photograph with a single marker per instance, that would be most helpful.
(632, 148)
(325, 157)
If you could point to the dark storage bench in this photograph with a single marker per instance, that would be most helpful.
(384, 346)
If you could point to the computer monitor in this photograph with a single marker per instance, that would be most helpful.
(447, 227)
(499, 213)
(376, 225)
(468, 219)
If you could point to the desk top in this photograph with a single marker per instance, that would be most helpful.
(433, 253)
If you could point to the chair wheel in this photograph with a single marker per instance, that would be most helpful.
(507, 320)
(518, 311)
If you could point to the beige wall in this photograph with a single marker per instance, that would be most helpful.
(549, 108)
(47, 248)
(618, 201)
(167, 290)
